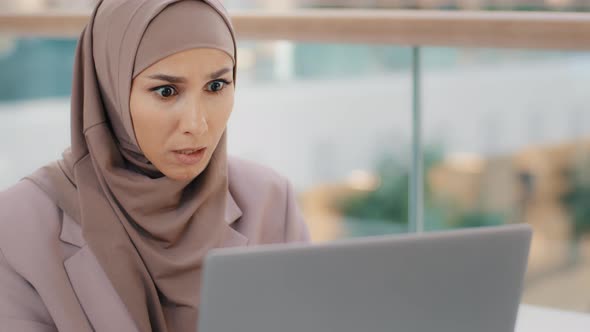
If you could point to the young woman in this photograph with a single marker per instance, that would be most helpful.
(112, 237)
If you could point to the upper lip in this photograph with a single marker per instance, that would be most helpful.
(189, 149)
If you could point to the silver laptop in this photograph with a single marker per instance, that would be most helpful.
(452, 281)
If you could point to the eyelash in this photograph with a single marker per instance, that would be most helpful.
(225, 84)
(175, 93)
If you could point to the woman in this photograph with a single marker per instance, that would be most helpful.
(112, 237)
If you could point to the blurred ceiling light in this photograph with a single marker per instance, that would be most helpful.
(246, 58)
(558, 3)
(363, 180)
(465, 162)
(27, 5)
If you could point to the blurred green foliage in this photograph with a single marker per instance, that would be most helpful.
(389, 202)
(576, 198)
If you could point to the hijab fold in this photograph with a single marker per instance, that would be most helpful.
(150, 233)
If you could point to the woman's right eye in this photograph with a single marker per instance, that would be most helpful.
(165, 91)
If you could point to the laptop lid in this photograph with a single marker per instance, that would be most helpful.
(452, 281)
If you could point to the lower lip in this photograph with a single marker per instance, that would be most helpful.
(190, 159)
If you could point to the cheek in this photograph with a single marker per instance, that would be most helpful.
(149, 123)
(220, 111)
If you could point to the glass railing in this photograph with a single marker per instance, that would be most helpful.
(506, 141)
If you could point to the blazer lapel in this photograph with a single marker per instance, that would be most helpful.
(233, 238)
(99, 300)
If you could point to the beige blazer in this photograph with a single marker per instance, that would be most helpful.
(51, 281)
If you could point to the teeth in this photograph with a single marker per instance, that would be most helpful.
(188, 151)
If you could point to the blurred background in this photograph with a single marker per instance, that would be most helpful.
(506, 133)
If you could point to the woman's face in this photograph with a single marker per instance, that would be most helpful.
(180, 107)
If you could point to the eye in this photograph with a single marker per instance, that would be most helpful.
(217, 85)
(165, 91)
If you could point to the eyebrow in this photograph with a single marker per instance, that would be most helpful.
(219, 73)
(168, 78)
(180, 79)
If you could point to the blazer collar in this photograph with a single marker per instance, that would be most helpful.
(232, 210)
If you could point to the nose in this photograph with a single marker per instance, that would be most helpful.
(193, 121)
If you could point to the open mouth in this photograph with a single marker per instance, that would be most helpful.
(190, 156)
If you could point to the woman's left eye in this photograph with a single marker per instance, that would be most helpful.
(216, 86)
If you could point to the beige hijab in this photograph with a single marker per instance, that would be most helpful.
(149, 233)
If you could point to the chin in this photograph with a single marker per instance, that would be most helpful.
(186, 174)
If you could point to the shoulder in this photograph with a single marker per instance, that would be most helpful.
(268, 203)
(28, 217)
(249, 176)
(24, 197)
(23, 204)
(260, 192)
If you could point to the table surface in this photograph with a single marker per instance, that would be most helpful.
(539, 319)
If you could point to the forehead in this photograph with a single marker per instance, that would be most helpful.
(196, 60)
